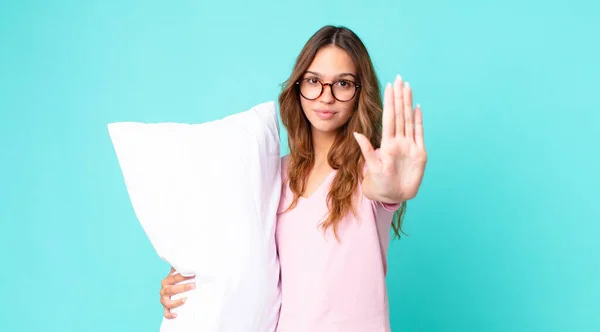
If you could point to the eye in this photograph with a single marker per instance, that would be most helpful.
(312, 80)
(344, 84)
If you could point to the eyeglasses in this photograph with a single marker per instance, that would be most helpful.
(342, 90)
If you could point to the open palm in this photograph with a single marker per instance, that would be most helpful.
(397, 170)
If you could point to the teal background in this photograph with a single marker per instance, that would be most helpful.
(504, 232)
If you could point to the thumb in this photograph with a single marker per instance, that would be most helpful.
(367, 151)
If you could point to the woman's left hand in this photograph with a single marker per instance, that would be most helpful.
(395, 174)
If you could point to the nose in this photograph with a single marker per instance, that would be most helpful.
(327, 95)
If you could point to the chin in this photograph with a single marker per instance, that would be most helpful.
(326, 128)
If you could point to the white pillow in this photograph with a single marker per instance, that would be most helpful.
(206, 195)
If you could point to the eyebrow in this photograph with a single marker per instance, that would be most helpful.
(338, 76)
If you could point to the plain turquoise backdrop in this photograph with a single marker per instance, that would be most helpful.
(503, 235)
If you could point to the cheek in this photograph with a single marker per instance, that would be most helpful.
(347, 112)
(306, 106)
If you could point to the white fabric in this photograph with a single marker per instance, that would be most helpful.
(206, 195)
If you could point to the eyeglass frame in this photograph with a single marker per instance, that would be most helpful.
(356, 88)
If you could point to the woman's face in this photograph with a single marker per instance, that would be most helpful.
(325, 113)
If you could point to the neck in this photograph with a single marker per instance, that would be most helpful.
(322, 142)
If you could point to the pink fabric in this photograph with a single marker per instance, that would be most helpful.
(327, 285)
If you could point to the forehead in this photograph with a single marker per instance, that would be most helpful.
(330, 61)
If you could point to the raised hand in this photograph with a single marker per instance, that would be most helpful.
(396, 172)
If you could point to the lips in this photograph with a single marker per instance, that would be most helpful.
(325, 114)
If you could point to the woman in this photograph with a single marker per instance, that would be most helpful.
(339, 194)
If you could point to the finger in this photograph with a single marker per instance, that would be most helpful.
(178, 289)
(419, 139)
(169, 315)
(367, 150)
(175, 279)
(408, 112)
(399, 106)
(179, 278)
(172, 304)
(388, 113)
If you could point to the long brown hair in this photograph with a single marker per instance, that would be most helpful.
(345, 155)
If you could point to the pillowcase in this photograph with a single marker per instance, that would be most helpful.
(206, 196)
